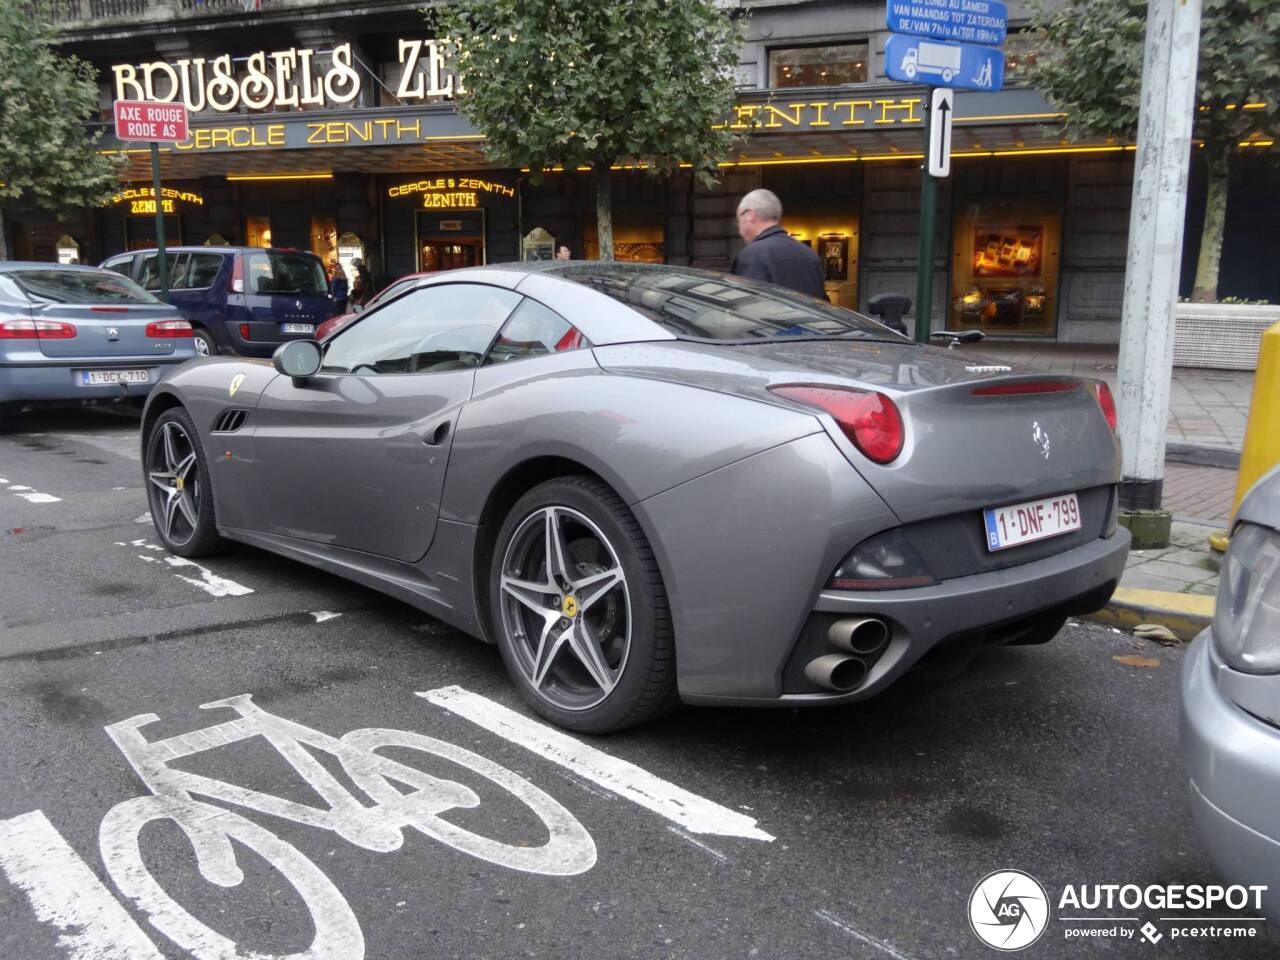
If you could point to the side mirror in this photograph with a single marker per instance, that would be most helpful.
(297, 358)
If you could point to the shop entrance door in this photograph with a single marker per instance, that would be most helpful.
(450, 240)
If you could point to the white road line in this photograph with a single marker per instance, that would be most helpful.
(696, 814)
(145, 518)
(209, 581)
(700, 845)
(861, 937)
(33, 496)
(323, 615)
(66, 894)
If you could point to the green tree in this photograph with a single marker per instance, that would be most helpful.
(47, 154)
(594, 82)
(1089, 64)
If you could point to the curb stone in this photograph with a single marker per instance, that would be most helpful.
(1186, 614)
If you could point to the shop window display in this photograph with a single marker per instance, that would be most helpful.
(1005, 275)
(257, 231)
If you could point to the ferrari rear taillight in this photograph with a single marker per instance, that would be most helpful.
(870, 420)
(169, 329)
(36, 330)
(1108, 404)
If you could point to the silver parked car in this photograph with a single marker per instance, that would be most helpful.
(650, 484)
(79, 333)
(1231, 704)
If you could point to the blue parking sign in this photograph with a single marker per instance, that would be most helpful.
(961, 66)
(967, 21)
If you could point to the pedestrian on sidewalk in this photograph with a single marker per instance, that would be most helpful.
(770, 254)
(362, 287)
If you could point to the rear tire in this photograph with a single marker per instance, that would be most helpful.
(587, 640)
(179, 489)
(205, 346)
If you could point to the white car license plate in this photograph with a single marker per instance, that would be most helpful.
(1031, 521)
(299, 328)
(91, 378)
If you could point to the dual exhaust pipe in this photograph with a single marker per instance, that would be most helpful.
(859, 641)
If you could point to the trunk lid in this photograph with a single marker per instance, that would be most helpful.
(963, 451)
(106, 330)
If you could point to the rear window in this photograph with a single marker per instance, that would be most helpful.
(293, 273)
(79, 286)
(701, 305)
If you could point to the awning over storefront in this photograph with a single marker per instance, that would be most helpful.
(863, 123)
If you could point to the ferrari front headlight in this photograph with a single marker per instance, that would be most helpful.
(1246, 621)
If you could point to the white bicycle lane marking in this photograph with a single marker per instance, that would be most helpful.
(65, 893)
(208, 581)
(696, 814)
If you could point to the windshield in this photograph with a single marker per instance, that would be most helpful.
(295, 273)
(713, 306)
(79, 286)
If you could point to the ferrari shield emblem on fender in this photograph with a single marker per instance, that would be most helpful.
(235, 383)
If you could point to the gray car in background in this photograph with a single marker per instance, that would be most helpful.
(80, 333)
(1231, 704)
(651, 484)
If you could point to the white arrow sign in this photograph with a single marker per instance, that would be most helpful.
(942, 106)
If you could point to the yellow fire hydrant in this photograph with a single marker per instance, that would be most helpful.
(1262, 433)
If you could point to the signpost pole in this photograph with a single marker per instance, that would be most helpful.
(928, 222)
(155, 187)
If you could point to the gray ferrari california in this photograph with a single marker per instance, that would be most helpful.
(653, 484)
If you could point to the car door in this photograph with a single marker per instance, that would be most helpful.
(356, 455)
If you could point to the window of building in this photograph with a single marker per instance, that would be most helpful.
(818, 66)
(257, 231)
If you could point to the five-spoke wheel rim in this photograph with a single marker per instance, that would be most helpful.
(173, 482)
(202, 346)
(565, 607)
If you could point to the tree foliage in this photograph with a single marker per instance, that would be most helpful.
(589, 83)
(47, 154)
(1089, 64)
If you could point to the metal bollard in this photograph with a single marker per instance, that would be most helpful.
(1262, 433)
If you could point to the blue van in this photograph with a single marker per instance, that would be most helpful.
(240, 300)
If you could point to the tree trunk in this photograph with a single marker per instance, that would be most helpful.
(1215, 218)
(4, 243)
(604, 210)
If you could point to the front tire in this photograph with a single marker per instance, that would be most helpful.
(579, 609)
(179, 489)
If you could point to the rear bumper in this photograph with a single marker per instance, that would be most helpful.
(1233, 765)
(59, 379)
(994, 603)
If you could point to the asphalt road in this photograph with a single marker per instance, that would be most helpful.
(1058, 760)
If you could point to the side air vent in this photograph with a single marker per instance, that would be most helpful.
(229, 421)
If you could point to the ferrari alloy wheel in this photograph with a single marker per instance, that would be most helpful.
(178, 488)
(579, 608)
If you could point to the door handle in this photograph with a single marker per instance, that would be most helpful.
(437, 434)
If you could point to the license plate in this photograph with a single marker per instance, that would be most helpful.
(92, 378)
(299, 328)
(1031, 521)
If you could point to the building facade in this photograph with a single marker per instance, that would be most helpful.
(331, 126)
